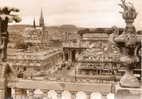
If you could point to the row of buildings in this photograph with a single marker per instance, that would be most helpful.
(87, 52)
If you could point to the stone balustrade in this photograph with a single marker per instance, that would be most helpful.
(57, 94)
(29, 89)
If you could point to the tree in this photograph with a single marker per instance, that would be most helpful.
(6, 16)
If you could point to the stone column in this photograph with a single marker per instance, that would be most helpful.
(88, 94)
(24, 94)
(63, 58)
(59, 94)
(73, 95)
(77, 54)
(70, 56)
(45, 94)
(31, 94)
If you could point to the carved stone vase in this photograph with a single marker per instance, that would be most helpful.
(127, 43)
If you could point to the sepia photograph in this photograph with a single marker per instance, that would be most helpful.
(70, 49)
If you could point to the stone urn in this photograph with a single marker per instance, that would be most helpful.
(128, 44)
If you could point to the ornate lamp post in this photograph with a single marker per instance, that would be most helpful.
(128, 45)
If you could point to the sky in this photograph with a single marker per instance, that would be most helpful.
(86, 13)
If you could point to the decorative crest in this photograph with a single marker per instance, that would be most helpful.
(129, 13)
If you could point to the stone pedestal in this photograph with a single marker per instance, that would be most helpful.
(2, 94)
(127, 93)
(129, 80)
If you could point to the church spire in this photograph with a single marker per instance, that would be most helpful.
(34, 24)
(41, 21)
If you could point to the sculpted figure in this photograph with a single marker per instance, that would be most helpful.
(114, 34)
(5, 17)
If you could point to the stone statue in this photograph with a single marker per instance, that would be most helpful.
(127, 43)
(114, 34)
(5, 18)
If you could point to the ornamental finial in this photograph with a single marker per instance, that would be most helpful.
(129, 13)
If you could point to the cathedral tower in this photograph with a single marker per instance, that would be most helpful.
(34, 24)
(41, 20)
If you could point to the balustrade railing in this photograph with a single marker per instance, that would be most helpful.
(29, 89)
(57, 94)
